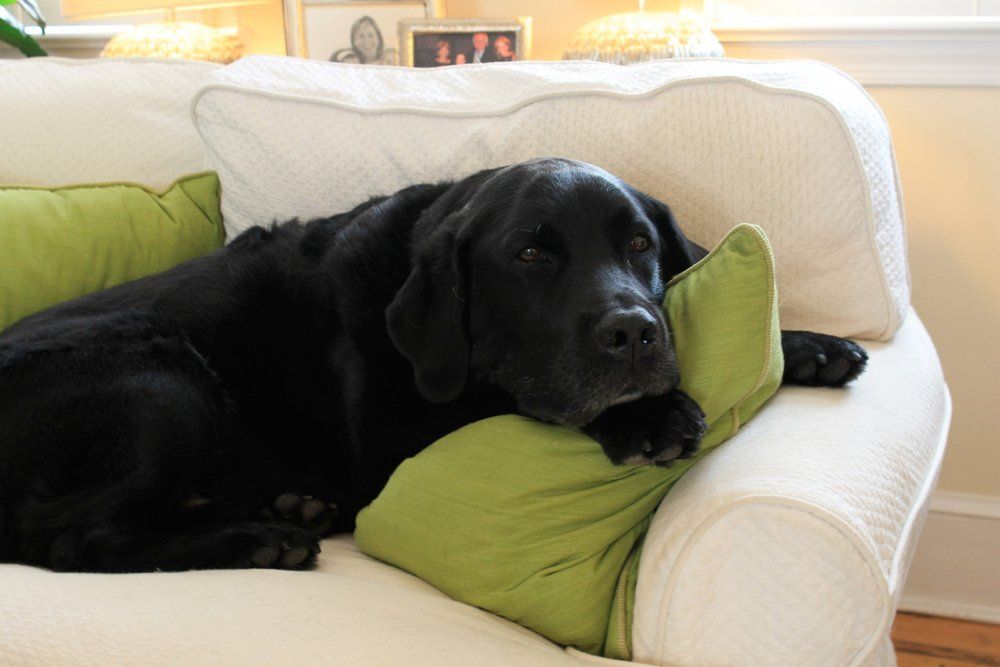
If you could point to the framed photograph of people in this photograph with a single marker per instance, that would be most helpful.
(351, 31)
(440, 42)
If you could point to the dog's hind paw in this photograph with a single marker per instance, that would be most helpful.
(818, 360)
(305, 511)
(281, 547)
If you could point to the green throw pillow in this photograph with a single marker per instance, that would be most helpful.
(531, 521)
(60, 243)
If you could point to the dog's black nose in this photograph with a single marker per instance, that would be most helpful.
(627, 333)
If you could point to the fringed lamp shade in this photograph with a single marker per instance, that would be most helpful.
(635, 37)
(177, 39)
(169, 39)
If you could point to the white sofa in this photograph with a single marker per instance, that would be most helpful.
(788, 546)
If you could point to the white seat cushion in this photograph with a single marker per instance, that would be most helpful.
(353, 610)
(71, 121)
(804, 521)
(795, 147)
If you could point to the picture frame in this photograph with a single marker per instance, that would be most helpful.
(360, 31)
(437, 42)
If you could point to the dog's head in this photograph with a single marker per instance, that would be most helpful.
(544, 278)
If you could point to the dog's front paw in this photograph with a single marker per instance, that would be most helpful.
(652, 429)
(819, 360)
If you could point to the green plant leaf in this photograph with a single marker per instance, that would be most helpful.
(32, 9)
(12, 32)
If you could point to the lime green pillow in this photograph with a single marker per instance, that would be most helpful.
(61, 243)
(531, 521)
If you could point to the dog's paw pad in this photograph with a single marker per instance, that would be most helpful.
(311, 509)
(265, 556)
(287, 503)
(293, 557)
(310, 513)
(283, 547)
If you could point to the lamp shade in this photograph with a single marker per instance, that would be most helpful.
(177, 39)
(639, 36)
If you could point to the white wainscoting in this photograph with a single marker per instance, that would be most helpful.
(956, 568)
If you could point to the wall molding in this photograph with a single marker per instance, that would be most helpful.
(83, 41)
(911, 51)
(955, 569)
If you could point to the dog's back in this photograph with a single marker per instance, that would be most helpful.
(127, 415)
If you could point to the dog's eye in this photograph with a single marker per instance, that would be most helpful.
(639, 244)
(529, 254)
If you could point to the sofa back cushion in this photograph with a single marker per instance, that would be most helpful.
(795, 147)
(71, 121)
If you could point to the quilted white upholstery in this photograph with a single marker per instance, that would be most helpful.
(804, 521)
(795, 147)
(89, 121)
(787, 546)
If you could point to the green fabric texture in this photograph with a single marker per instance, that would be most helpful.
(60, 243)
(531, 521)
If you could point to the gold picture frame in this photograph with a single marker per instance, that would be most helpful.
(331, 26)
(507, 39)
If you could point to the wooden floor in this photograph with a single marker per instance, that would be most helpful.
(932, 641)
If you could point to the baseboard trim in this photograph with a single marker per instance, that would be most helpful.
(966, 504)
(963, 610)
(955, 570)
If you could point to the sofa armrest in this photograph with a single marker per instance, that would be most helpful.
(790, 544)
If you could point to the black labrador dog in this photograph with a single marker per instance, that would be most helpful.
(228, 412)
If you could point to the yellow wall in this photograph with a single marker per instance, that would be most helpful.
(947, 144)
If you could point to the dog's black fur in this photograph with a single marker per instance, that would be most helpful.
(218, 414)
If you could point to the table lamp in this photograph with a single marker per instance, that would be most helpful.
(170, 39)
(635, 37)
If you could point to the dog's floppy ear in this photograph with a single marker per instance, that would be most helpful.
(426, 320)
(677, 252)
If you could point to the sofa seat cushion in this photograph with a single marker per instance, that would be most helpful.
(795, 147)
(351, 610)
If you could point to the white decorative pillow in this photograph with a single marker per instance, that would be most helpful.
(795, 147)
(70, 121)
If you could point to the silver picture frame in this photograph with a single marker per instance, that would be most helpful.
(411, 29)
(296, 17)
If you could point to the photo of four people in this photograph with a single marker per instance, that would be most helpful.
(440, 49)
